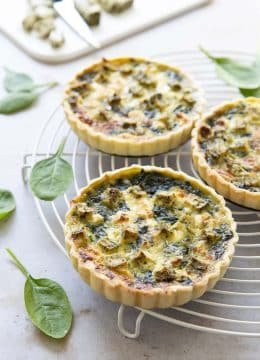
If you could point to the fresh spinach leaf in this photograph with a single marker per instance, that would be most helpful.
(51, 177)
(17, 101)
(251, 92)
(22, 92)
(46, 303)
(235, 73)
(16, 82)
(20, 82)
(7, 203)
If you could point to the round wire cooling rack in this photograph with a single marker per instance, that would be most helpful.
(232, 307)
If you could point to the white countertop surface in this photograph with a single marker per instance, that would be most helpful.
(232, 25)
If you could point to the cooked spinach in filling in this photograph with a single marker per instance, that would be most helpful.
(133, 97)
(230, 140)
(150, 229)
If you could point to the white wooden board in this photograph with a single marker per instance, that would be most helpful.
(144, 14)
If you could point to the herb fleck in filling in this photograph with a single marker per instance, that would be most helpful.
(150, 229)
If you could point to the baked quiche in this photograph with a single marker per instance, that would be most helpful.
(132, 106)
(226, 150)
(149, 236)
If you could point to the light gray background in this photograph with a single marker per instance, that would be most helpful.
(226, 24)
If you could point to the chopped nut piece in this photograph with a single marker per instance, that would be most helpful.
(144, 79)
(130, 233)
(82, 209)
(176, 260)
(76, 230)
(141, 256)
(164, 273)
(164, 198)
(197, 202)
(120, 217)
(136, 191)
(238, 124)
(136, 90)
(80, 234)
(189, 99)
(199, 264)
(156, 100)
(216, 147)
(112, 197)
(114, 261)
(108, 243)
(164, 231)
(235, 166)
(209, 234)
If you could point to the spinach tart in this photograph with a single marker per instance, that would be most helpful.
(149, 236)
(132, 106)
(226, 150)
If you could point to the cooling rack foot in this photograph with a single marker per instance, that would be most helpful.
(120, 323)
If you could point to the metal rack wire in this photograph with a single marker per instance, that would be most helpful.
(232, 307)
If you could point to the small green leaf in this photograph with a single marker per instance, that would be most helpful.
(47, 304)
(7, 203)
(17, 82)
(51, 177)
(15, 102)
(23, 91)
(235, 73)
(251, 92)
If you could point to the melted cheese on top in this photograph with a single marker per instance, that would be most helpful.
(149, 229)
(133, 97)
(230, 141)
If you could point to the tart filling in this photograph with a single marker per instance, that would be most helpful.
(150, 229)
(228, 141)
(134, 101)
